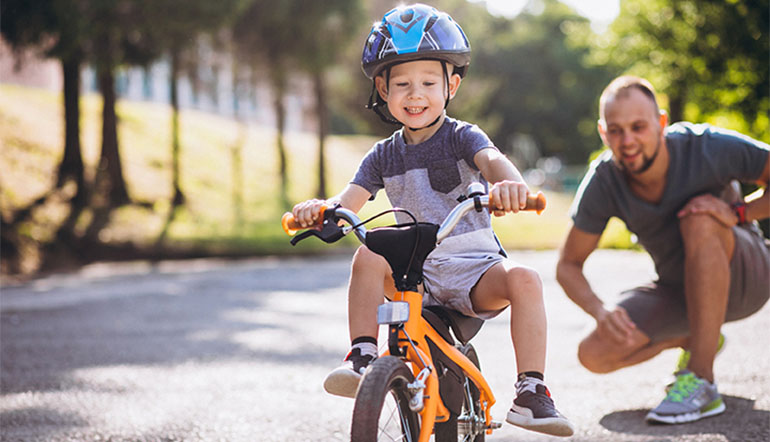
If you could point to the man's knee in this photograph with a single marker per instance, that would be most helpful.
(592, 357)
(599, 356)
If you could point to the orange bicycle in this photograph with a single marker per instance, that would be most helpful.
(428, 381)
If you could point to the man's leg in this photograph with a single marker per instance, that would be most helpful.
(708, 248)
(601, 355)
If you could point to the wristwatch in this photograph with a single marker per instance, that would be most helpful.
(740, 210)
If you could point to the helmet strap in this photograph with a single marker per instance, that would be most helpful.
(375, 102)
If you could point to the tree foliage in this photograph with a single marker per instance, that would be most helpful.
(708, 57)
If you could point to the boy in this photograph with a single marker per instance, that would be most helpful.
(416, 58)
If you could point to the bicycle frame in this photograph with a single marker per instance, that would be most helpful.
(409, 336)
(415, 331)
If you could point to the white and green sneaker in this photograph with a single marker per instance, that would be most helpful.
(689, 399)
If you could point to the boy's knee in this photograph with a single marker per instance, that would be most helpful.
(527, 279)
(365, 259)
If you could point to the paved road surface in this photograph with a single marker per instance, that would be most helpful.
(216, 350)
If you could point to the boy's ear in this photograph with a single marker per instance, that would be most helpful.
(382, 87)
(454, 84)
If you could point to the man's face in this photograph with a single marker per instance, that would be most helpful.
(633, 130)
(417, 92)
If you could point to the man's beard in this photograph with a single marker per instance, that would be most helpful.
(645, 166)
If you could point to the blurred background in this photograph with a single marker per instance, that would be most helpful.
(154, 129)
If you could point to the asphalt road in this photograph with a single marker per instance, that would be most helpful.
(216, 350)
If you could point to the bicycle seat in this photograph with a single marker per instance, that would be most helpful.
(442, 319)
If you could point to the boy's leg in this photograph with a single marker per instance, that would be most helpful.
(507, 284)
(370, 280)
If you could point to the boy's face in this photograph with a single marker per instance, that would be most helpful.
(417, 91)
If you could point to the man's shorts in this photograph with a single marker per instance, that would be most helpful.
(660, 310)
(448, 281)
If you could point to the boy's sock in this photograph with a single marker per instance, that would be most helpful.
(367, 345)
(531, 374)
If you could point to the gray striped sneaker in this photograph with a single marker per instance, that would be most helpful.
(689, 399)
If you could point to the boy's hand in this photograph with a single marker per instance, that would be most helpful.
(308, 213)
(507, 196)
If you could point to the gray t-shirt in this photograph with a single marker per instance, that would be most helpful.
(704, 159)
(427, 178)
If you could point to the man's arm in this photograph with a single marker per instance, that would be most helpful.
(616, 324)
(756, 208)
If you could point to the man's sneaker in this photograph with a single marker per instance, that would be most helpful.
(343, 380)
(684, 359)
(534, 410)
(691, 398)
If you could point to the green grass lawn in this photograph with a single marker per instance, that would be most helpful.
(32, 134)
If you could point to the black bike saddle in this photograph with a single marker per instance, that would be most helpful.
(442, 319)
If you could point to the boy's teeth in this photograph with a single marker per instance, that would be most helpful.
(415, 110)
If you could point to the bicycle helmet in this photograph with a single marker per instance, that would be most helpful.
(415, 32)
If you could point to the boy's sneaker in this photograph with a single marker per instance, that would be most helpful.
(534, 410)
(684, 359)
(343, 380)
(691, 398)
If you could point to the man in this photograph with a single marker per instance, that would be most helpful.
(713, 264)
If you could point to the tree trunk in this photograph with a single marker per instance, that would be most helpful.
(178, 198)
(323, 130)
(71, 166)
(109, 163)
(279, 90)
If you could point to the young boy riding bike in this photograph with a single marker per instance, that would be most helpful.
(416, 57)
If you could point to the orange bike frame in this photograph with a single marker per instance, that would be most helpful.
(418, 329)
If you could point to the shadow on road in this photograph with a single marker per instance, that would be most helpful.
(740, 422)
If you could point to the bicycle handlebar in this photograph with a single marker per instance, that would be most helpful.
(535, 203)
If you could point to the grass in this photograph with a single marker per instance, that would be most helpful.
(31, 137)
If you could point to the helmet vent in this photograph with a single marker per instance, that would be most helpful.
(407, 16)
(430, 23)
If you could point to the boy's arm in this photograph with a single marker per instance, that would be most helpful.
(509, 191)
(352, 197)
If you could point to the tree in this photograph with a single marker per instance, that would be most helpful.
(56, 27)
(264, 35)
(532, 82)
(324, 29)
(176, 26)
(708, 57)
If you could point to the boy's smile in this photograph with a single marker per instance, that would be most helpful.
(416, 96)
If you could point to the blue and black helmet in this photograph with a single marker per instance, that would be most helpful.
(415, 32)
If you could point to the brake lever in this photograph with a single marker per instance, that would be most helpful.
(330, 231)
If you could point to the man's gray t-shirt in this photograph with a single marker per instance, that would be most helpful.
(427, 178)
(703, 159)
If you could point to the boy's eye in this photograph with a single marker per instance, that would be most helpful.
(428, 83)
(402, 84)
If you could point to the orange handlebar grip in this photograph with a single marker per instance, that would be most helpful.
(291, 226)
(536, 202)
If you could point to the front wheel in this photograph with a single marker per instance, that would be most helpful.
(381, 411)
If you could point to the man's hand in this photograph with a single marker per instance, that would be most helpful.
(708, 204)
(615, 326)
(507, 196)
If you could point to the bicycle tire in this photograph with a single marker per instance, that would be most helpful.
(381, 411)
(472, 430)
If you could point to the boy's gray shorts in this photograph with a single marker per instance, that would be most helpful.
(660, 310)
(448, 281)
